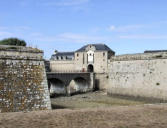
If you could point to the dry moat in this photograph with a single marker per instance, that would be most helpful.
(98, 99)
(91, 110)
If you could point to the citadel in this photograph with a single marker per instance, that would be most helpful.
(27, 81)
(138, 75)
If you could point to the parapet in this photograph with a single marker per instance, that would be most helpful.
(20, 52)
(140, 56)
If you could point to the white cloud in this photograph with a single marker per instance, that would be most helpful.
(14, 31)
(69, 37)
(65, 2)
(21, 28)
(112, 28)
(144, 37)
(3, 28)
(125, 28)
(5, 34)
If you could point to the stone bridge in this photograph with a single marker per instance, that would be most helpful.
(70, 83)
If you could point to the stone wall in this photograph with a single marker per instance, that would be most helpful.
(23, 83)
(139, 75)
(101, 81)
(62, 66)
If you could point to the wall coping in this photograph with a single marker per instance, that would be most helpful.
(20, 53)
(19, 49)
(139, 56)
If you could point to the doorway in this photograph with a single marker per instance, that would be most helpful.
(90, 68)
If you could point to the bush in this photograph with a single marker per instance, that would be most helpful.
(13, 41)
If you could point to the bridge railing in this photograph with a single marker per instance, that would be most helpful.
(69, 71)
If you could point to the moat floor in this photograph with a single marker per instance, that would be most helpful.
(140, 116)
(94, 100)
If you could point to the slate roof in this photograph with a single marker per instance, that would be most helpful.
(69, 55)
(99, 47)
(64, 54)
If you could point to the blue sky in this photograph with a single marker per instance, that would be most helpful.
(126, 26)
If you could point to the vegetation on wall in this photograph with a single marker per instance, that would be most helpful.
(13, 41)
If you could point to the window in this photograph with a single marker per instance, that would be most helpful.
(77, 54)
(103, 53)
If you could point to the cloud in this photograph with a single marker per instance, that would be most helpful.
(3, 28)
(125, 28)
(15, 28)
(5, 34)
(144, 37)
(68, 37)
(14, 31)
(21, 28)
(65, 3)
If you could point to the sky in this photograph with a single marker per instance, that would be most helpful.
(126, 26)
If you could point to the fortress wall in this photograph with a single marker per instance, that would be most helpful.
(143, 75)
(23, 83)
(62, 66)
(101, 81)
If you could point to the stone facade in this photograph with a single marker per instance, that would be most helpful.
(95, 55)
(139, 75)
(23, 83)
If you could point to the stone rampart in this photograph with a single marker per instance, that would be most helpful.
(23, 83)
(140, 56)
(139, 75)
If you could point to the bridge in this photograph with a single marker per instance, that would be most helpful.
(68, 83)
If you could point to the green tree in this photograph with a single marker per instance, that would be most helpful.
(13, 41)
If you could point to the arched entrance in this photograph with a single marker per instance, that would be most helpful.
(56, 87)
(90, 68)
(78, 85)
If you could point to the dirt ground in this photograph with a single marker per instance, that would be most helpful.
(94, 100)
(141, 116)
(92, 110)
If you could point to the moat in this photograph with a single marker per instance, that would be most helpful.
(98, 99)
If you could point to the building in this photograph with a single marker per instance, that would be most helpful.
(89, 58)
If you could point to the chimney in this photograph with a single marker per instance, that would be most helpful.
(56, 51)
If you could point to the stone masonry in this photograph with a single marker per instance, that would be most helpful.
(139, 75)
(23, 83)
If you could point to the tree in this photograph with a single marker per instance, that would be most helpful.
(13, 41)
